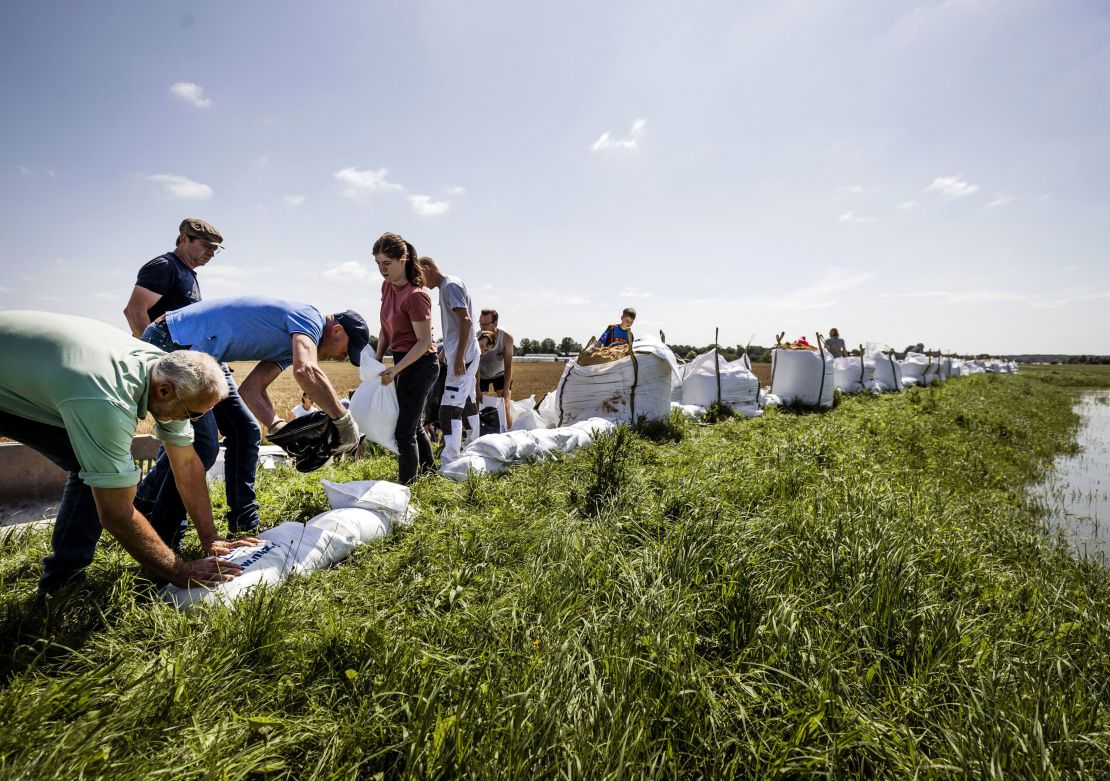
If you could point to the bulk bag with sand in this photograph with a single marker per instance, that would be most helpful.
(915, 367)
(854, 374)
(802, 377)
(610, 383)
(374, 406)
(888, 373)
(739, 387)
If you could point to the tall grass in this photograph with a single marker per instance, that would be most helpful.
(866, 592)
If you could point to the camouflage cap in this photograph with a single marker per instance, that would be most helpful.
(199, 229)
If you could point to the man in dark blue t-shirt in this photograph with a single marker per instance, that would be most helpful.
(169, 281)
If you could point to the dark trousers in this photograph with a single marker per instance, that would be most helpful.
(158, 495)
(77, 527)
(414, 450)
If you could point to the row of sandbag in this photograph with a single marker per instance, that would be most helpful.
(361, 512)
(493, 453)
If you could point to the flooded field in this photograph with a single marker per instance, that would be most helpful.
(1077, 491)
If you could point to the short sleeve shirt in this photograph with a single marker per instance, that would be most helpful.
(401, 307)
(453, 295)
(170, 278)
(248, 328)
(89, 378)
(614, 334)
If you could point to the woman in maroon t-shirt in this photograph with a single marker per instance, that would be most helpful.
(406, 329)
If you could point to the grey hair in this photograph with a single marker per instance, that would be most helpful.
(193, 374)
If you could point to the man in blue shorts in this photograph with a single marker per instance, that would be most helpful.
(277, 333)
(169, 281)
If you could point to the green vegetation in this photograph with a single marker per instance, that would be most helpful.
(866, 592)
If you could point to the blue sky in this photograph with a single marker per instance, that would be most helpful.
(905, 171)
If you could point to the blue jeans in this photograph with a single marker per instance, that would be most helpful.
(77, 527)
(158, 495)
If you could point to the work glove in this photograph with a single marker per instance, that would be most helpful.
(276, 426)
(348, 433)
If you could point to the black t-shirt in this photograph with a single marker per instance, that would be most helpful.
(173, 280)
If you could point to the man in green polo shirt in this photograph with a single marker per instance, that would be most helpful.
(73, 389)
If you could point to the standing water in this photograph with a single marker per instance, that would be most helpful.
(1077, 490)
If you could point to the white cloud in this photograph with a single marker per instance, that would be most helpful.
(907, 205)
(633, 292)
(104, 296)
(6, 289)
(351, 271)
(293, 200)
(851, 216)
(361, 183)
(181, 187)
(33, 172)
(1001, 200)
(426, 207)
(851, 189)
(608, 142)
(455, 190)
(964, 296)
(575, 301)
(953, 186)
(260, 162)
(191, 93)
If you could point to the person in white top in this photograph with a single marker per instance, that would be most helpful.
(304, 407)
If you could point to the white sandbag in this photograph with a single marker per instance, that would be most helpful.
(739, 387)
(528, 421)
(376, 495)
(854, 374)
(606, 390)
(595, 425)
(523, 412)
(470, 463)
(550, 440)
(888, 373)
(374, 406)
(499, 447)
(802, 377)
(525, 444)
(287, 549)
(692, 411)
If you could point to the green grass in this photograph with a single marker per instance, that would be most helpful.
(866, 592)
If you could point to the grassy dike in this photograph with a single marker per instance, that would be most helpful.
(866, 592)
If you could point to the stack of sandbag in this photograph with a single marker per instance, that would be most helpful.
(374, 406)
(494, 453)
(362, 512)
(915, 368)
(854, 375)
(801, 377)
(598, 385)
(739, 387)
(888, 373)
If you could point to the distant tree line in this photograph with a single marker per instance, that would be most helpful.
(1088, 359)
(569, 346)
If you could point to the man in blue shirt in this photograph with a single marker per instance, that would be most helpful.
(169, 281)
(278, 334)
(619, 334)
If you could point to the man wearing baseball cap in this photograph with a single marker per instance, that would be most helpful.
(277, 333)
(170, 281)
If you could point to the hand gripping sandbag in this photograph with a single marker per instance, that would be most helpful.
(288, 549)
(374, 406)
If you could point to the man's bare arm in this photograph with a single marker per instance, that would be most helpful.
(311, 378)
(253, 391)
(462, 315)
(118, 516)
(136, 310)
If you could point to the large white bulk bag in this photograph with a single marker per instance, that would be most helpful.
(854, 375)
(802, 377)
(739, 387)
(914, 368)
(288, 549)
(374, 406)
(611, 390)
(888, 372)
